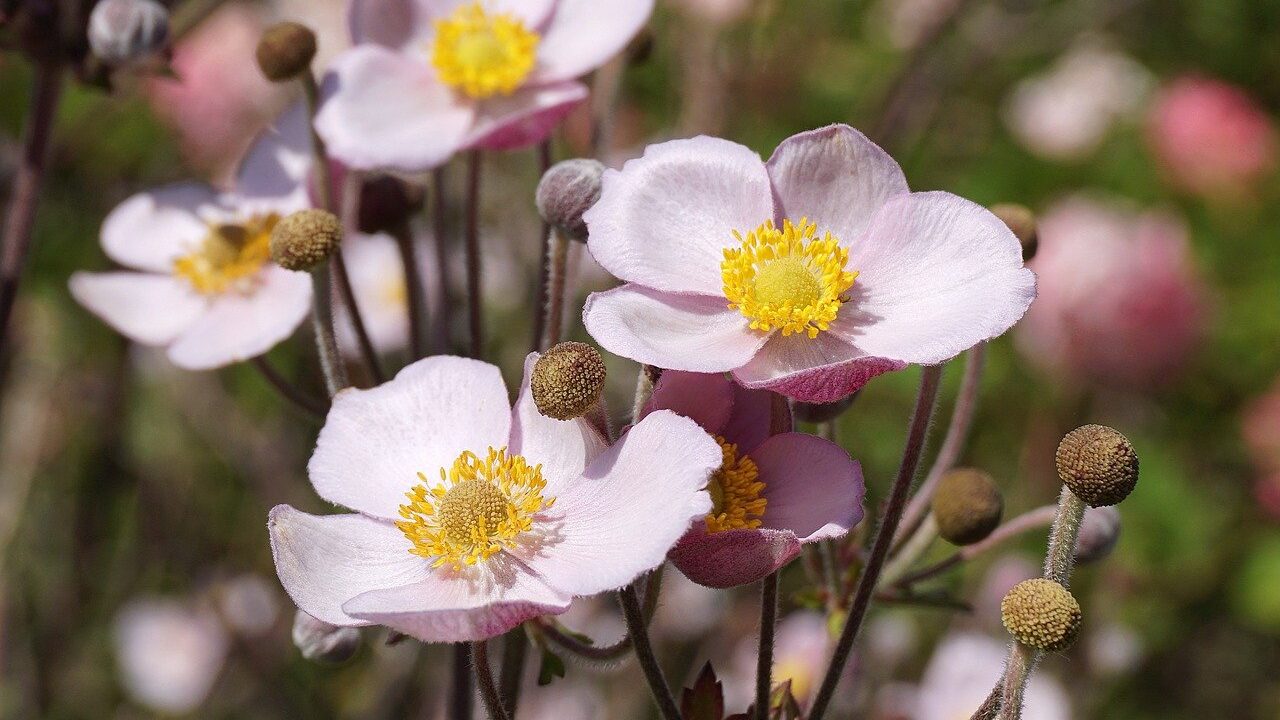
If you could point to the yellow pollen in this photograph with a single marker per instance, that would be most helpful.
(787, 279)
(230, 256)
(483, 54)
(478, 508)
(735, 492)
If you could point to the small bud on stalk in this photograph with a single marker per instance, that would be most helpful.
(566, 192)
(567, 381)
(967, 506)
(821, 412)
(127, 31)
(285, 51)
(319, 641)
(1022, 222)
(1099, 533)
(305, 239)
(1041, 614)
(386, 203)
(1098, 464)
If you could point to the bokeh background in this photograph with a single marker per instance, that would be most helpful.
(135, 575)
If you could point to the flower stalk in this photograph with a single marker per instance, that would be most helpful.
(639, 634)
(764, 661)
(489, 694)
(475, 312)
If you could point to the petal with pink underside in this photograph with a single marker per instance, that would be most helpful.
(563, 448)
(526, 117)
(822, 369)
(678, 332)
(240, 326)
(404, 23)
(374, 442)
(664, 220)
(836, 177)
(152, 229)
(462, 606)
(324, 561)
(705, 398)
(146, 308)
(813, 488)
(631, 505)
(733, 557)
(584, 34)
(386, 110)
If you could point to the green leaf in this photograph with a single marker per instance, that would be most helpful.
(551, 667)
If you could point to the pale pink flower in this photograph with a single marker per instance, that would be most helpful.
(199, 279)
(473, 517)
(1211, 137)
(431, 77)
(808, 275)
(717, 12)
(377, 277)
(965, 667)
(1261, 431)
(168, 654)
(802, 649)
(771, 493)
(1120, 301)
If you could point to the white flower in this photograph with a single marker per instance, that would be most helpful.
(168, 654)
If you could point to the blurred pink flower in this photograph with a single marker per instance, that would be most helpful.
(1120, 301)
(1211, 137)
(965, 667)
(168, 654)
(802, 649)
(1261, 431)
(719, 12)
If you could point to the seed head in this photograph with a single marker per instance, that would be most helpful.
(1042, 614)
(125, 31)
(1098, 464)
(1023, 224)
(321, 642)
(286, 51)
(305, 239)
(1099, 533)
(566, 192)
(567, 380)
(967, 506)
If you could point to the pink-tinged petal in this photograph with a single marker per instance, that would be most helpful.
(705, 398)
(273, 175)
(836, 177)
(403, 23)
(324, 561)
(526, 117)
(375, 442)
(752, 418)
(733, 557)
(631, 505)
(149, 309)
(241, 326)
(664, 220)
(679, 332)
(813, 488)
(152, 229)
(474, 604)
(939, 274)
(822, 369)
(584, 34)
(386, 110)
(563, 448)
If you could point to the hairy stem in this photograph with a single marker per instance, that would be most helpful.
(440, 231)
(475, 312)
(484, 680)
(417, 291)
(460, 692)
(557, 287)
(287, 389)
(544, 271)
(515, 647)
(764, 661)
(335, 372)
(1030, 520)
(643, 648)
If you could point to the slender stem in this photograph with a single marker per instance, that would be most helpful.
(515, 646)
(1061, 557)
(335, 372)
(416, 290)
(1030, 520)
(544, 270)
(1017, 670)
(348, 295)
(20, 218)
(639, 634)
(586, 651)
(557, 270)
(440, 229)
(324, 174)
(475, 312)
(911, 551)
(484, 680)
(460, 693)
(764, 662)
(917, 433)
(287, 389)
(991, 706)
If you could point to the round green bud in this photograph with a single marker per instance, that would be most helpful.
(305, 239)
(967, 506)
(1041, 614)
(285, 51)
(1022, 222)
(1098, 464)
(567, 381)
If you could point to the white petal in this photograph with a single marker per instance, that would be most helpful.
(405, 23)
(562, 447)
(146, 308)
(152, 229)
(526, 117)
(584, 34)
(274, 173)
(240, 326)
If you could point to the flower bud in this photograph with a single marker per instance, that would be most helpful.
(1099, 533)
(1042, 614)
(566, 192)
(125, 31)
(1022, 222)
(285, 51)
(1098, 464)
(821, 412)
(305, 239)
(967, 506)
(386, 203)
(319, 641)
(567, 380)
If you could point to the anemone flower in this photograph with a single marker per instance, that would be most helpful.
(168, 653)
(472, 517)
(807, 275)
(431, 77)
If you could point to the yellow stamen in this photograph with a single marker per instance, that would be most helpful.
(483, 54)
(735, 492)
(229, 256)
(787, 278)
(479, 508)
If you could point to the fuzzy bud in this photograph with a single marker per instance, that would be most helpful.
(1022, 222)
(566, 192)
(1098, 464)
(125, 31)
(967, 506)
(319, 641)
(1042, 614)
(386, 203)
(305, 239)
(567, 380)
(821, 412)
(285, 51)
(1099, 533)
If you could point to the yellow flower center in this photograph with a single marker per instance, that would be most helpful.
(735, 492)
(229, 256)
(483, 54)
(478, 508)
(788, 278)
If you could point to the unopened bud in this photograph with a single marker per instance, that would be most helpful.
(566, 192)
(967, 506)
(285, 51)
(319, 641)
(1022, 222)
(1099, 533)
(305, 239)
(1041, 614)
(386, 203)
(568, 380)
(125, 31)
(1098, 464)
(821, 412)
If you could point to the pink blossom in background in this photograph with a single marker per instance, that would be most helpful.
(1261, 431)
(964, 668)
(168, 653)
(1211, 137)
(1120, 303)
(717, 12)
